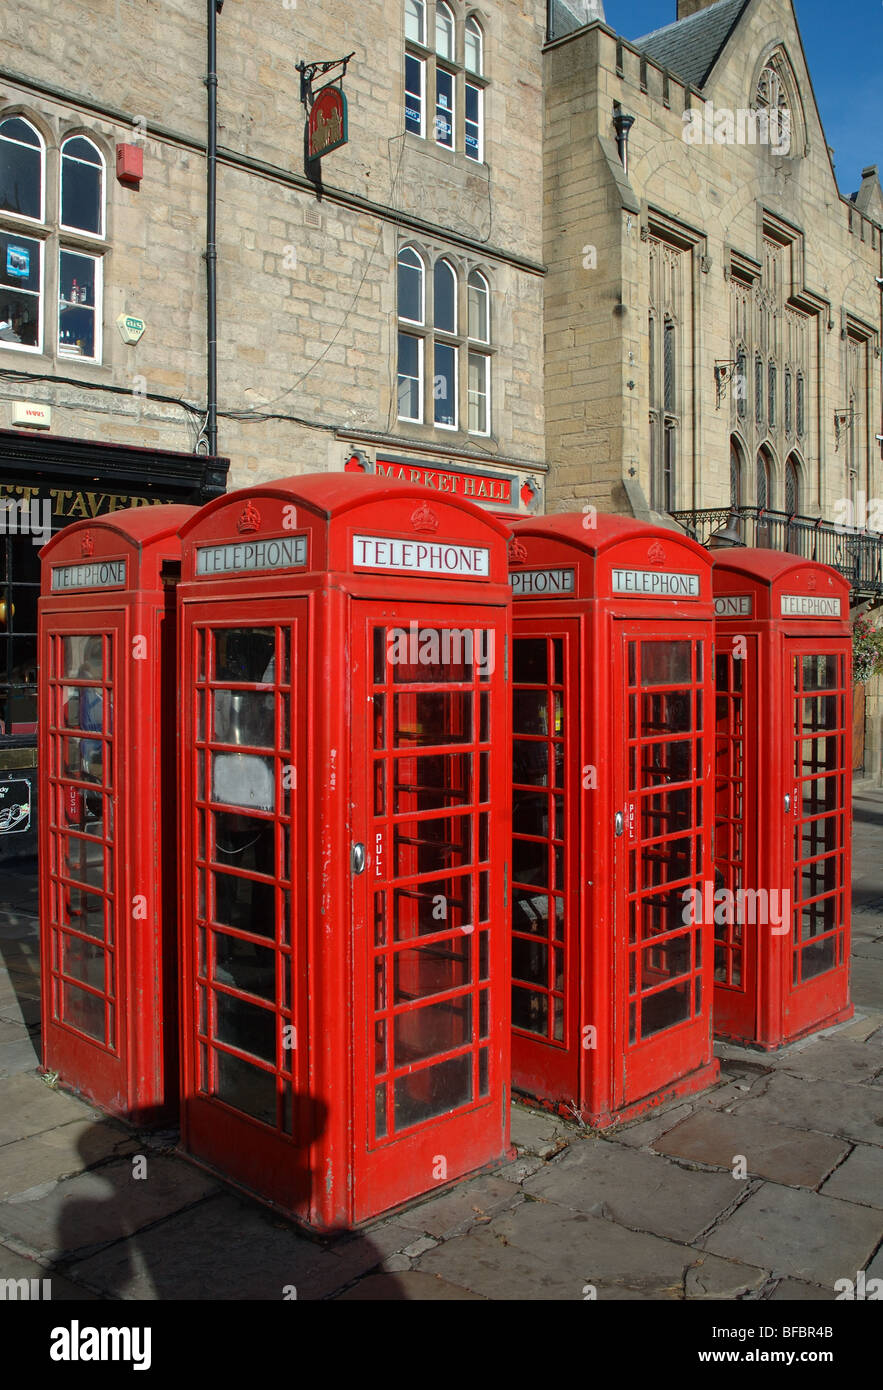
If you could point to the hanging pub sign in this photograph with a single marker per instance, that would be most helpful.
(327, 126)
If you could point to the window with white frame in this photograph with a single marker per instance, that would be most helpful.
(444, 343)
(51, 241)
(444, 75)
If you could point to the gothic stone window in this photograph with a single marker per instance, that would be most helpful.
(666, 349)
(445, 79)
(52, 240)
(444, 343)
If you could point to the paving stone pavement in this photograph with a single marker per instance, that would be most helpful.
(767, 1186)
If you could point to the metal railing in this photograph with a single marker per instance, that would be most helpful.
(858, 555)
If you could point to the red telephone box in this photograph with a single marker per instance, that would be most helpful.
(345, 952)
(783, 784)
(108, 844)
(612, 687)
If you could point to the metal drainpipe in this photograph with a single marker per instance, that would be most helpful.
(211, 249)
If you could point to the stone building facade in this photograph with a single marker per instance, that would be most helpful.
(307, 265)
(713, 317)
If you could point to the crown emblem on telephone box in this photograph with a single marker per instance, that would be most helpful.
(249, 518)
(517, 552)
(423, 518)
(656, 554)
(87, 545)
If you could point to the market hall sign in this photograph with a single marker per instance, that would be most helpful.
(478, 487)
(656, 583)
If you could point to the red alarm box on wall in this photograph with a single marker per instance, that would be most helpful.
(130, 164)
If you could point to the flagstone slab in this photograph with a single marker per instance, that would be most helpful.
(835, 1059)
(16, 1267)
(773, 1151)
(805, 1234)
(59, 1153)
(860, 1178)
(636, 1189)
(28, 1106)
(796, 1291)
(103, 1205)
(228, 1248)
(829, 1107)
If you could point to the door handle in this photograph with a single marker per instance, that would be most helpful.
(787, 803)
(617, 824)
(357, 859)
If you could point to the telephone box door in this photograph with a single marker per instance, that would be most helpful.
(817, 735)
(429, 826)
(736, 758)
(546, 848)
(662, 859)
(88, 964)
(244, 982)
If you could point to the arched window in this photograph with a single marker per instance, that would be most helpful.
(21, 168)
(415, 21)
(445, 297)
(446, 373)
(411, 306)
(771, 100)
(444, 31)
(740, 384)
(479, 365)
(764, 480)
(793, 497)
(445, 345)
(479, 302)
(457, 121)
(736, 474)
(668, 365)
(82, 186)
(411, 285)
(474, 46)
(801, 405)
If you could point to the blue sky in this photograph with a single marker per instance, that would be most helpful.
(844, 50)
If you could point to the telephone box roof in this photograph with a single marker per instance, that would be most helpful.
(607, 529)
(328, 495)
(138, 525)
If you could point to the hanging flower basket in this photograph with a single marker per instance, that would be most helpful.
(867, 650)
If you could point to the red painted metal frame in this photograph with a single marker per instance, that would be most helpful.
(107, 831)
(600, 1069)
(772, 1003)
(364, 963)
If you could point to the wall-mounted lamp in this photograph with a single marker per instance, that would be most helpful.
(727, 536)
(622, 124)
